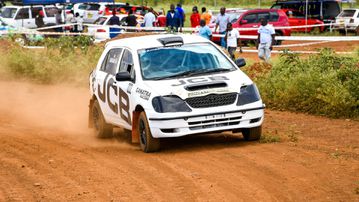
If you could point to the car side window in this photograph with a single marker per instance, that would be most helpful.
(35, 11)
(263, 15)
(111, 61)
(126, 64)
(273, 17)
(251, 18)
(23, 14)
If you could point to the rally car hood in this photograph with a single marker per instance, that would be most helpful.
(203, 85)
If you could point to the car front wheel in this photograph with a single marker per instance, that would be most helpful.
(147, 142)
(252, 134)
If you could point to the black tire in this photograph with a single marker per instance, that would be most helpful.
(101, 128)
(278, 42)
(252, 134)
(147, 142)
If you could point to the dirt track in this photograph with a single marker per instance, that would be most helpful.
(48, 154)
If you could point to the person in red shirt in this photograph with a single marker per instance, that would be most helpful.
(161, 19)
(195, 17)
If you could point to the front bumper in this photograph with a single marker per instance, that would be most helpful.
(190, 123)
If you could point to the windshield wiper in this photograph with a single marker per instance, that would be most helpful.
(192, 73)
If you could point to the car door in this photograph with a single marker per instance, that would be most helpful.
(249, 21)
(23, 18)
(106, 89)
(125, 88)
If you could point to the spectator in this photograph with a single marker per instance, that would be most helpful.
(70, 18)
(232, 40)
(59, 21)
(173, 19)
(39, 19)
(114, 20)
(161, 19)
(204, 30)
(182, 16)
(206, 16)
(266, 39)
(195, 17)
(79, 21)
(150, 18)
(131, 19)
(221, 21)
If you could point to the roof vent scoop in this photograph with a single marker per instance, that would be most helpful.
(204, 86)
(171, 41)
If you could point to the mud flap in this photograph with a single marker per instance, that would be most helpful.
(135, 137)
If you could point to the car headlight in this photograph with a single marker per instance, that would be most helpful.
(248, 94)
(163, 104)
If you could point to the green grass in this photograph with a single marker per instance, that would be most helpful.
(323, 84)
(269, 138)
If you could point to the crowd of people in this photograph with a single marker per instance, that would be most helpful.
(175, 19)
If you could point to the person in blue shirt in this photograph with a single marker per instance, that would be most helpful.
(204, 30)
(182, 15)
(173, 20)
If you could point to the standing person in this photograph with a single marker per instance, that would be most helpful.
(232, 40)
(59, 20)
(69, 20)
(195, 17)
(173, 19)
(131, 19)
(266, 39)
(206, 16)
(150, 18)
(79, 21)
(39, 19)
(114, 19)
(204, 30)
(161, 19)
(182, 15)
(221, 21)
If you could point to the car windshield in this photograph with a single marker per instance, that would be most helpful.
(186, 60)
(8, 12)
(347, 13)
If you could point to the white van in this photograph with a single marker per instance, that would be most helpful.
(24, 16)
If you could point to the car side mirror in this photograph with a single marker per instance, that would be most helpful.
(240, 62)
(242, 22)
(123, 76)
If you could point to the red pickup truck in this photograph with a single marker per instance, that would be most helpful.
(297, 18)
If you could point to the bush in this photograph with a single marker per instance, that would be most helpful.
(49, 65)
(323, 84)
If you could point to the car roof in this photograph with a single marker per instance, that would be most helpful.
(151, 41)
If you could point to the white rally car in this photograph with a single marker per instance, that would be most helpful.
(163, 86)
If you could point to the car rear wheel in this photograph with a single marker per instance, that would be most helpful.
(147, 142)
(101, 128)
(252, 134)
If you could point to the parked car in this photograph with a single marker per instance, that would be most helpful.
(251, 19)
(296, 18)
(95, 10)
(24, 16)
(348, 21)
(166, 86)
(21, 39)
(325, 10)
(102, 32)
(76, 8)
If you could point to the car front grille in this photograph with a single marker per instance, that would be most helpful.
(212, 100)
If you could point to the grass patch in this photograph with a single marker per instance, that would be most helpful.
(269, 138)
(323, 84)
(51, 65)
